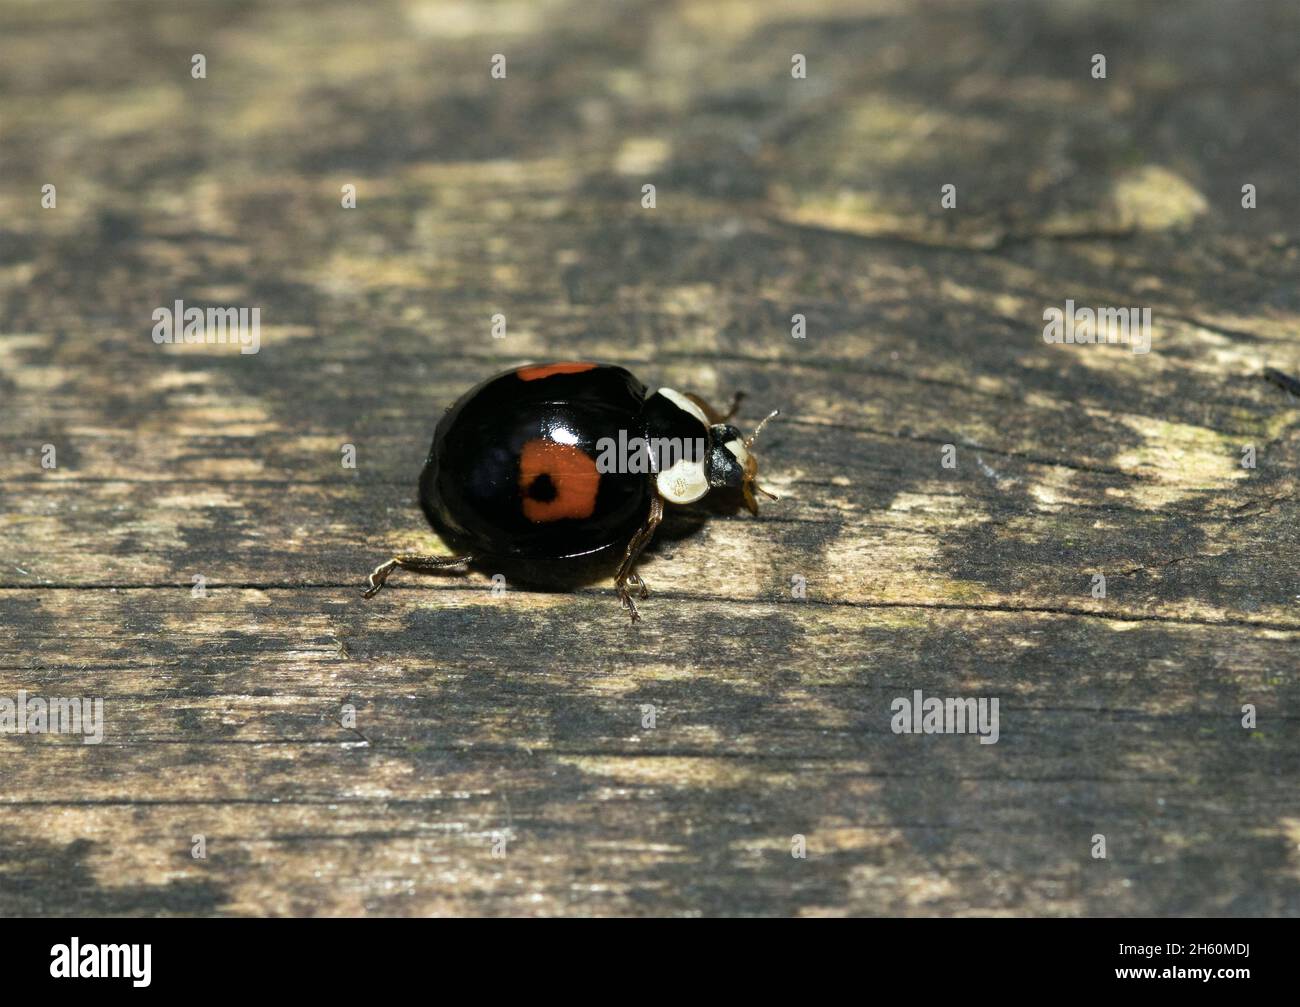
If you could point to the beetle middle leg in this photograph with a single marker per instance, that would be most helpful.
(627, 575)
(416, 564)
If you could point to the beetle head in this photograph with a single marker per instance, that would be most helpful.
(732, 464)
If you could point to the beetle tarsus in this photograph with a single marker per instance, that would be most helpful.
(416, 564)
(629, 604)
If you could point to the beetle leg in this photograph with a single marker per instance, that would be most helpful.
(626, 574)
(713, 415)
(416, 564)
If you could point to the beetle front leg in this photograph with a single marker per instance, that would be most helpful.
(716, 416)
(627, 575)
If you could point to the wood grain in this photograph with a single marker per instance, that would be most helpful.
(499, 763)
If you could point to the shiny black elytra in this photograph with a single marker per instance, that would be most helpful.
(553, 466)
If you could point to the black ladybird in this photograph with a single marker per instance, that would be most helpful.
(551, 465)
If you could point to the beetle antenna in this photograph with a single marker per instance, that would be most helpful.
(759, 429)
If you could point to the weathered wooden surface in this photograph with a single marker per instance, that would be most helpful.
(520, 715)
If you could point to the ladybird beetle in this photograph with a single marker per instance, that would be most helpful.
(551, 468)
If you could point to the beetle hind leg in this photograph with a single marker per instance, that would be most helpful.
(627, 575)
(416, 564)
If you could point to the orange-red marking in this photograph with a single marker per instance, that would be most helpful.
(572, 472)
(546, 370)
